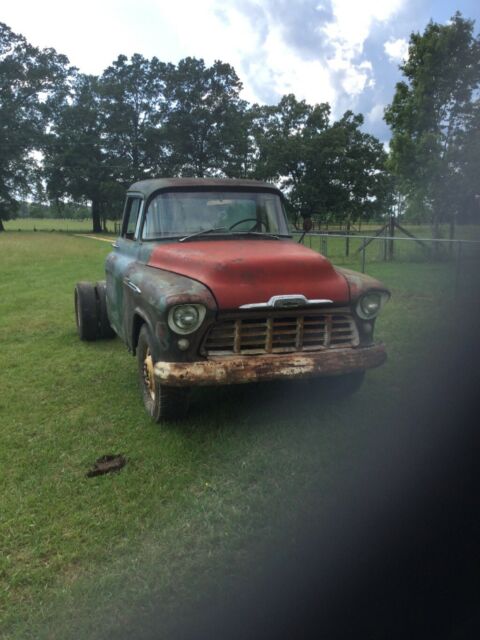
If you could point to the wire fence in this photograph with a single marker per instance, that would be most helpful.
(362, 251)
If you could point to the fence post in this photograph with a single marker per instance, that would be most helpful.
(392, 235)
(323, 247)
(363, 259)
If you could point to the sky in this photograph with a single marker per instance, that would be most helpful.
(345, 52)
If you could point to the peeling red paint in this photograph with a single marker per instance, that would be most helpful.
(244, 271)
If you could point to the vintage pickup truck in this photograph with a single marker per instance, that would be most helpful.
(206, 286)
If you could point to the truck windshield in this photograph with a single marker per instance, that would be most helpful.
(176, 213)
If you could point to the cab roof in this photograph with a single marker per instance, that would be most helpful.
(147, 187)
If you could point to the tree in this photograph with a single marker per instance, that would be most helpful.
(31, 80)
(204, 123)
(467, 159)
(76, 164)
(283, 135)
(328, 169)
(354, 167)
(134, 108)
(431, 113)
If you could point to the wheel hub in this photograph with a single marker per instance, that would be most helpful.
(149, 374)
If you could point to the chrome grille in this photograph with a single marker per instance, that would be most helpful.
(280, 333)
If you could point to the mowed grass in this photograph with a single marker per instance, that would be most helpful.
(462, 232)
(53, 224)
(79, 556)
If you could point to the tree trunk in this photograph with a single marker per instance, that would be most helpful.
(451, 233)
(2, 228)
(96, 219)
(436, 235)
(347, 240)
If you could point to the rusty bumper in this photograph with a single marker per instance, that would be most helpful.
(243, 369)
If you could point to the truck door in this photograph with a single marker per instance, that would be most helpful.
(120, 261)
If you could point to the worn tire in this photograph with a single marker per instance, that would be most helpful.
(161, 402)
(104, 328)
(86, 311)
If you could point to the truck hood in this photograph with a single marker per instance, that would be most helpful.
(245, 271)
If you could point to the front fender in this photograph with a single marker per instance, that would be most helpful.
(360, 283)
(157, 291)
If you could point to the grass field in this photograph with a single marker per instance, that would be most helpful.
(463, 232)
(82, 554)
(53, 224)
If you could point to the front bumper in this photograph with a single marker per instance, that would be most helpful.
(243, 369)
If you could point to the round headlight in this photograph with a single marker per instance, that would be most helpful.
(370, 304)
(186, 318)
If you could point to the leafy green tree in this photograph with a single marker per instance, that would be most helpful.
(352, 165)
(76, 165)
(466, 156)
(327, 169)
(31, 80)
(283, 135)
(431, 113)
(204, 123)
(134, 108)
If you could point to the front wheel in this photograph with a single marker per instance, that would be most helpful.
(161, 402)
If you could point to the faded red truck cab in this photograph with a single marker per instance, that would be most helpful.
(206, 286)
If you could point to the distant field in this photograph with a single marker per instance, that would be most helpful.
(53, 224)
(83, 554)
(463, 232)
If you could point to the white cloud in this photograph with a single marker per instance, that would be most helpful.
(396, 50)
(260, 61)
(94, 33)
(353, 24)
(376, 113)
(289, 73)
(91, 34)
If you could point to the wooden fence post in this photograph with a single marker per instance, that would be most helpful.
(391, 242)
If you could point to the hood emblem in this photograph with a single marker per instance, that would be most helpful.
(285, 302)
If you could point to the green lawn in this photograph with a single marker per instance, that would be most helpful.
(78, 553)
(53, 224)
(463, 232)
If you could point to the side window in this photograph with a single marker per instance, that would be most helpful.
(130, 220)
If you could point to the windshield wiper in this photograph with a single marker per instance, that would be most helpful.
(257, 233)
(233, 233)
(201, 233)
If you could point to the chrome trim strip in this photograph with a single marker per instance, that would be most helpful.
(132, 286)
(286, 302)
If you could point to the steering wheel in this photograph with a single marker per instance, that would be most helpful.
(248, 220)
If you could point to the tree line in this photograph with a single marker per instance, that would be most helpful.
(67, 137)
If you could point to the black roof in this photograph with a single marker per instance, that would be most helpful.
(147, 187)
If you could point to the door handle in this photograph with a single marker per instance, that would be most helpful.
(132, 286)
